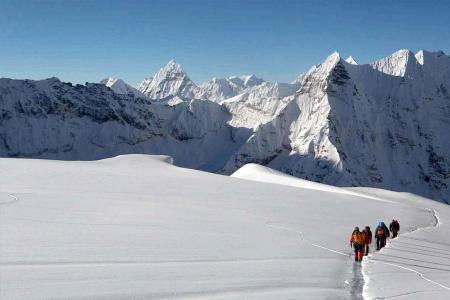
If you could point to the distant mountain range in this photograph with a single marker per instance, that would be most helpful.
(384, 124)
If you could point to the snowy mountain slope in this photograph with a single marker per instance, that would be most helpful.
(412, 266)
(120, 87)
(264, 174)
(419, 258)
(52, 119)
(304, 116)
(136, 227)
(363, 125)
(219, 89)
(170, 81)
(259, 104)
(397, 63)
(144, 83)
(379, 125)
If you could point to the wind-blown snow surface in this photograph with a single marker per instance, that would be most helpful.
(416, 265)
(136, 226)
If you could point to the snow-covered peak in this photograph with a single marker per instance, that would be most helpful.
(323, 70)
(172, 67)
(351, 60)
(342, 124)
(434, 64)
(168, 82)
(333, 57)
(330, 62)
(246, 80)
(397, 63)
(434, 58)
(109, 81)
(170, 71)
(120, 87)
(218, 89)
(420, 57)
(251, 80)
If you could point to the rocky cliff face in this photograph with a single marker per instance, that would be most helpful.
(383, 124)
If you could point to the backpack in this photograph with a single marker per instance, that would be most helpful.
(368, 236)
(396, 225)
(380, 232)
(358, 238)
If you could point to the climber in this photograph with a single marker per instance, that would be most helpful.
(395, 228)
(367, 239)
(381, 234)
(357, 242)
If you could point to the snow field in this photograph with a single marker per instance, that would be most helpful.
(137, 227)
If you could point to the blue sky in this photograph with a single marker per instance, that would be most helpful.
(81, 41)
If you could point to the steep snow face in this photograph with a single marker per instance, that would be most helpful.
(397, 64)
(300, 128)
(259, 104)
(363, 125)
(171, 81)
(52, 119)
(120, 87)
(246, 80)
(144, 84)
(219, 89)
(351, 60)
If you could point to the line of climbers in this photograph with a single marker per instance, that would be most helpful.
(361, 240)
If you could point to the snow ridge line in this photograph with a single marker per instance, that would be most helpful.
(437, 221)
(14, 199)
(436, 218)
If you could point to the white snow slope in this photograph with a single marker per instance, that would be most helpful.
(120, 87)
(138, 227)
